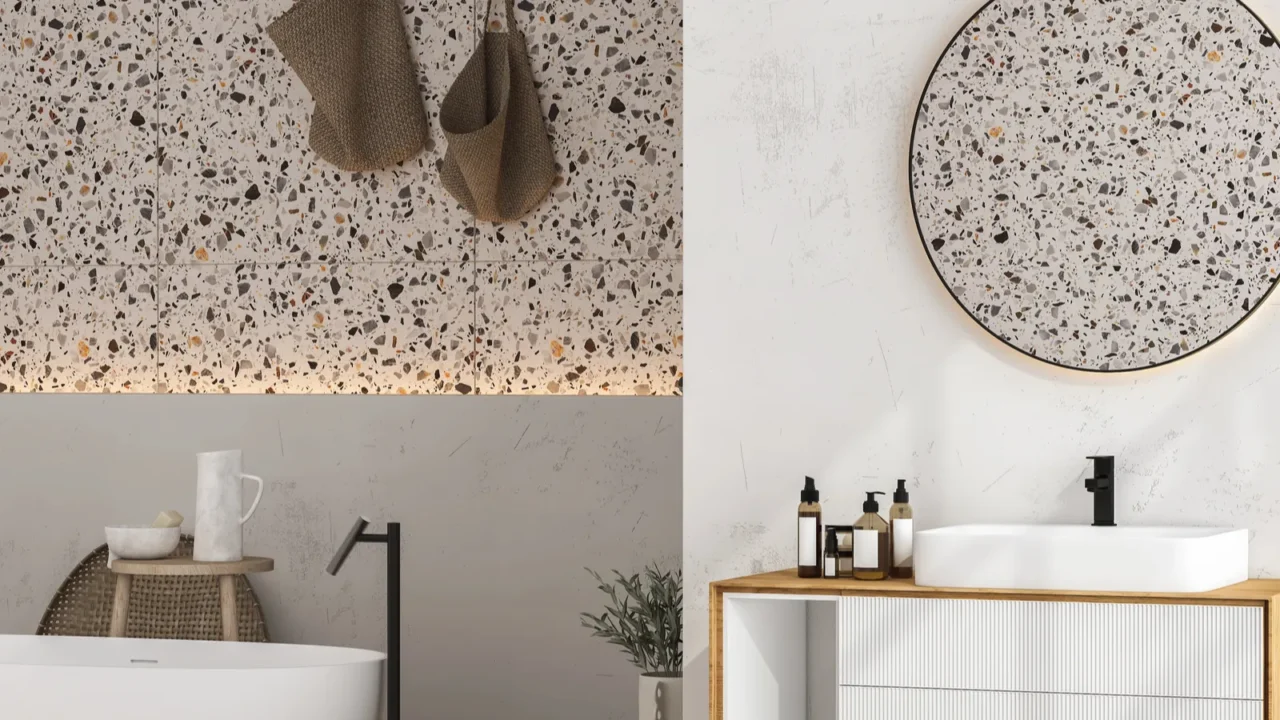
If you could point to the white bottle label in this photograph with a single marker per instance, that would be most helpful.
(808, 541)
(902, 543)
(830, 568)
(866, 549)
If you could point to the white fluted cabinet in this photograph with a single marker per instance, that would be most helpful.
(783, 648)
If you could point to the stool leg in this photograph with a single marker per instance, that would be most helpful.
(230, 618)
(120, 607)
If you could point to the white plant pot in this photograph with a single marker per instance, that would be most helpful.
(661, 696)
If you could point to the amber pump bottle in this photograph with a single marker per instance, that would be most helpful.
(871, 542)
(809, 532)
(900, 532)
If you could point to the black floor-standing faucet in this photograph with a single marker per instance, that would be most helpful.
(392, 540)
(1103, 487)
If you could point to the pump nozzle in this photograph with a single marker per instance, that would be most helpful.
(900, 495)
(810, 493)
(871, 505)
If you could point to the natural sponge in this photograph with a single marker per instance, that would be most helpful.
(168, 519)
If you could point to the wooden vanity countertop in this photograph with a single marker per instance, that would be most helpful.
(785, 582)
(1253, 593)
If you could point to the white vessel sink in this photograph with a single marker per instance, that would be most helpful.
(1082, 557)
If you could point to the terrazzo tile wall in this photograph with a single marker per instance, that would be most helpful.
(164, 227)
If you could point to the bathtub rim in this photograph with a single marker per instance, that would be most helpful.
(359, 656)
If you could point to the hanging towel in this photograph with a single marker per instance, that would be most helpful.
(499, 163)
(353, 56)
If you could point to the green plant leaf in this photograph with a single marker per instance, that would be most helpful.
(643, 617)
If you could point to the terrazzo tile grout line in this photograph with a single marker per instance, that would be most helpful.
(405, 263)
(604, 261)
(343, 263)
(474, 363)
(475, 325)
(155, 330)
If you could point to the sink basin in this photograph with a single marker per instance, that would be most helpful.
(1082, 557)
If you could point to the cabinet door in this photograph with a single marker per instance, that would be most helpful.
(1191, 651)
(861, 703)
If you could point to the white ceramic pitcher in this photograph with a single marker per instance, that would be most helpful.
(219, 537)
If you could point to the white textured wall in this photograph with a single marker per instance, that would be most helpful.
(821, 342)
(503, 500)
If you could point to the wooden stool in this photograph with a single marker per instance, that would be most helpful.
(226, 573)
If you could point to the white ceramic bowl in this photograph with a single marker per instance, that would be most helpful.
(142, 543)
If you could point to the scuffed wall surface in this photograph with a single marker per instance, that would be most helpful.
(165, 228)
(824, 344)
(503, 500)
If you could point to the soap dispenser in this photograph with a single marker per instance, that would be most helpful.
(871, 542)
(809, 532)
(900, 532)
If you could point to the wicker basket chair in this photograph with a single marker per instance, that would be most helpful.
(170, 607)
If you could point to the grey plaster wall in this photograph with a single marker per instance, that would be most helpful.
(504, 500)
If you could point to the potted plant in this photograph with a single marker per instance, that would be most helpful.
(643, 617)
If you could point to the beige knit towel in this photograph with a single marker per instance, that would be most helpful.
(354, 58)
(499, 163)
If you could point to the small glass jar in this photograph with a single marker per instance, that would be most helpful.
(844, 550)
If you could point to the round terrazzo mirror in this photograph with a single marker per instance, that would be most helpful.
(1096, 182)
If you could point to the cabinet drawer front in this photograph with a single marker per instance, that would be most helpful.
(1199, 651)
(859, 703)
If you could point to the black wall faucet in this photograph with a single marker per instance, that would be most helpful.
(1103, 487)
(391, 538)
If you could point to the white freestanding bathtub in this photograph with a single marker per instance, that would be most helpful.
(75, 678)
